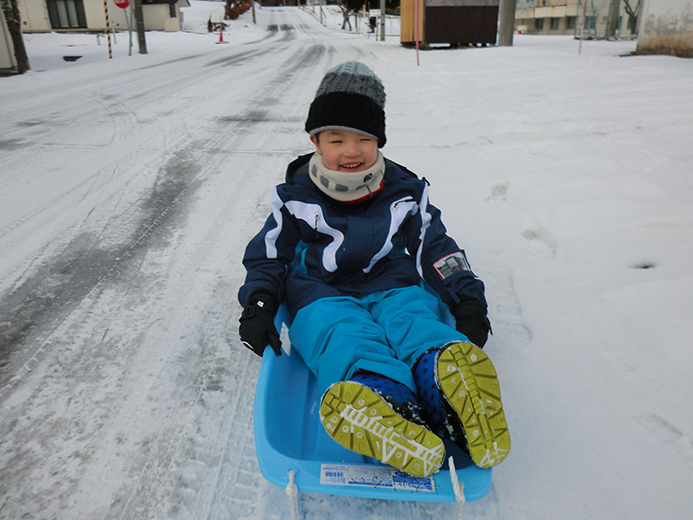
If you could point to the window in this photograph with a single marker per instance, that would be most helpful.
(66, 14)
(539, 24)
(570, 22)
(555, 22)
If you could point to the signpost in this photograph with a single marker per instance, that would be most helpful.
(124, 4)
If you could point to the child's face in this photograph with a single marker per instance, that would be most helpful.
(346, 151)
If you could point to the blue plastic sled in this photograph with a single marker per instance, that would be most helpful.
(289, 436)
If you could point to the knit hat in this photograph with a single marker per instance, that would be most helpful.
(350, 97)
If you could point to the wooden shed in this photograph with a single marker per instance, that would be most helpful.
(456, 22)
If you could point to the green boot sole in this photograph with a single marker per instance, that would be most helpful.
(469, 382)
(361, 420)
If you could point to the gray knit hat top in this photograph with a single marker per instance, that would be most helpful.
(350, 97)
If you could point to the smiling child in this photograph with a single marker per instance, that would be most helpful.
(364, 265)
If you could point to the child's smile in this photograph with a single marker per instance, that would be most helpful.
(346, 151)
(352, 166)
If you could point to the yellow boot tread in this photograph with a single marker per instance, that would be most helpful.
(361, 420)
(469, 382)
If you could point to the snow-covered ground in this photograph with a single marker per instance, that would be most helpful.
(129, 188)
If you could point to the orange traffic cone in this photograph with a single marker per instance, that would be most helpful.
(221, 34)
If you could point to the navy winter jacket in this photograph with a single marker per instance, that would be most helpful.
(313, 247)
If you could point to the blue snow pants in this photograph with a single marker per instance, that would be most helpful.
(385, 332)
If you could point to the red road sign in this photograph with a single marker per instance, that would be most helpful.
(122, 3)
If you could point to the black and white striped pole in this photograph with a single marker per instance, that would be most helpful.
(108, 29)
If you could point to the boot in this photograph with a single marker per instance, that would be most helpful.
(380, 418)
(460, 395)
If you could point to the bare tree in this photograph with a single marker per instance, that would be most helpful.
(632, 11)
(14, 25)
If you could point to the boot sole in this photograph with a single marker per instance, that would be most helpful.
(360, 420)
(469, 382)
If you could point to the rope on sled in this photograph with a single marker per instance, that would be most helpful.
(458, 488)
(292, 493)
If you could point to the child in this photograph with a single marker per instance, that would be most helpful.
(351, 240)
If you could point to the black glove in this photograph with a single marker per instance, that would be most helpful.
(257, 324)
(471, 320)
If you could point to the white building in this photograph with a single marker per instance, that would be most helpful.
(667, 28)
(566, 17)
(89, 15)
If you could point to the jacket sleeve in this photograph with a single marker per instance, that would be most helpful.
(440, 261)
(269, 254)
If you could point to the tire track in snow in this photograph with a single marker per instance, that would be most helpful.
(116, 346)
(59, 284)
(156, 454)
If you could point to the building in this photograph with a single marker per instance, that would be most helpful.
(453, 22)
(566, 17)
(89, 15)
(667, 28)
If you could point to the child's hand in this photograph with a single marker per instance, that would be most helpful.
(257, 325)
(471, 320)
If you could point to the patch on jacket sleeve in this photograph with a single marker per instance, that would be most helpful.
(451, 264)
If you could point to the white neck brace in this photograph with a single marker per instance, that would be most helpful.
(346, 186)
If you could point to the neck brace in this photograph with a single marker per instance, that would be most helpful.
(346, 186)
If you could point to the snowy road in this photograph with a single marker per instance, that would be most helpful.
(129, 188)
(121, 269)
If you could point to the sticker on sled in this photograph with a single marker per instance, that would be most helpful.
(374, 476)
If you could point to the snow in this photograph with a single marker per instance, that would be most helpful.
(129, 188)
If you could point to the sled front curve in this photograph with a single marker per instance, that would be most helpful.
(289, 436)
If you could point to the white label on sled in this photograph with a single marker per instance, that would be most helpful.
(373, 476)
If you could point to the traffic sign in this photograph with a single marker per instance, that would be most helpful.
(123, 4)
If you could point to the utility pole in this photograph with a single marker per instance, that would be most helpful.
(139, 20)
(612, 19)
(382, 20)
(506, 27)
